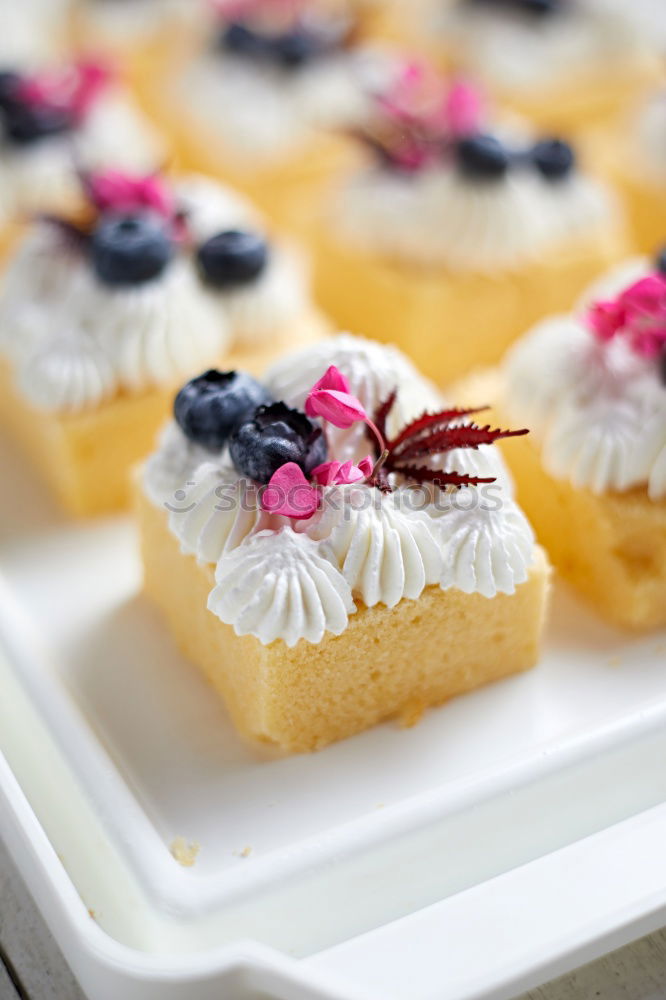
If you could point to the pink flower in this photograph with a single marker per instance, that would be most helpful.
(330, 398)
(342, 473)
(639, 313)
(289, 493)
(463, 109)
(114, 190)
(74, 89)
(606, 318)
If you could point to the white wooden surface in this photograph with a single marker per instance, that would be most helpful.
(637, 972)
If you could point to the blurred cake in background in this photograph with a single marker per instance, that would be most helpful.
(455, 235)
(136, 32)
(56, 120)
(259, 99)
(592, 476)
(103, 312)
(563, 63)
(32, 31)
(632, 153)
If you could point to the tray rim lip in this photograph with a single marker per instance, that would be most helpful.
(247, 954)
(113, 955)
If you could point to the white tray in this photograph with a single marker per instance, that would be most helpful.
(514, 833)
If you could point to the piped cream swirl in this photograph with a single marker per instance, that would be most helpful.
(440, 218)
(597, 410)
(132, 338)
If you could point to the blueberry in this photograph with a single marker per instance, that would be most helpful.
(232, 258)
(537, 7)
(295, 49)
(540, 7)
(208, 408)
(130, 249)
(238, 38)
(9, 83)
(553, 159)
(275, 435)
(482, 157)
(660, 261)
(25, 124)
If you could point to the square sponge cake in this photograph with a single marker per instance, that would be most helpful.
(378, 605)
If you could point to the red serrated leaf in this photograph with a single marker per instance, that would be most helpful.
(382, 413)
(422, 474)
(431, 420)
(459, 436)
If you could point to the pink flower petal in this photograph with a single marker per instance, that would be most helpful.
(605, 319)
(332, 379)
(464, 108)
(342, 473)
(339, 408)
(366, 465)
(115, 190)
(289, 493)
(73, 89)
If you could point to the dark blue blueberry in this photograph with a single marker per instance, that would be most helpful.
(25, 124)
(296, 48)
(238, 38)
(540, 8)
(290, 50)
(660, 261)
(9, 83)
(275, 435)
(130, 249)
(232, 258)
(554, 159)
(209, 407)
(482, 158)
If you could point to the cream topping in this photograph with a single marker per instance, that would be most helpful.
(278, 585)
(650, 131)
(440, 218)
(598, 410)
(276, 577)
(30, 32)
(121, 24)
(521, 53)
(132, 338)
(269, 113)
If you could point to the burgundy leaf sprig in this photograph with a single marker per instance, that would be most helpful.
(432, 434)
(419, 117)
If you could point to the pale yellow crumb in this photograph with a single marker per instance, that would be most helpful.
(246, 852)
(185, 853)
(411, 714)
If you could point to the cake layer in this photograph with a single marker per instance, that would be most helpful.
(389, 662)
(611, 547)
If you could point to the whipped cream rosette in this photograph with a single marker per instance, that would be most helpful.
(592, 386)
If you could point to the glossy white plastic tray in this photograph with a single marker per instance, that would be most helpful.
(512, 834)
